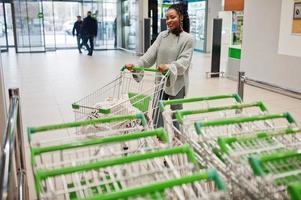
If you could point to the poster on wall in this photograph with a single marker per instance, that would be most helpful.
(296, 28)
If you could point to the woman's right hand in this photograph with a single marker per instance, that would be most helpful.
(129, 67)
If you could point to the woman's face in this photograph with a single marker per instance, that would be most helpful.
(173, 19)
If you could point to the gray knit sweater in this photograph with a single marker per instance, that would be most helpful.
(176, 52)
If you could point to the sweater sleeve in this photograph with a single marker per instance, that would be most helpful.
(150, 56)
(183, 61)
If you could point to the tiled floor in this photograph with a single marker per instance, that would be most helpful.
(51, 82)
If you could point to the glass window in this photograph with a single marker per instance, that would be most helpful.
(129, 24)
(197, 16)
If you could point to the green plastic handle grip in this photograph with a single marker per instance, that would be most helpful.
(161, 186)
(140, 116)
(199, 125)
(257, 162)
(160, 133)
(181, 113)
(136, 68)
(225, 142)
(76, 106)
(162, 104)
(43, 174)
(294, 191)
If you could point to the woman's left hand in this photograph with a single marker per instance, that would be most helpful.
(162, 68)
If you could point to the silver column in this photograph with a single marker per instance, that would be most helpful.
(241, 84)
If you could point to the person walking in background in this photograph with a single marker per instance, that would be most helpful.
(89, 31)
(172, 51)
(77, 28)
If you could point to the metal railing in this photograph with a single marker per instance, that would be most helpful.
(243, 79)
(12, 163)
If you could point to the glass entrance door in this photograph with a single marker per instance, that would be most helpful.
(106, 14)
(59, 18)
(9, 24)
(65, 15)
(29, 26)
(3, 29)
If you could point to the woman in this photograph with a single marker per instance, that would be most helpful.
(172, 51)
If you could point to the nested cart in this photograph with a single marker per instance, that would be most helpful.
(237, 150)
(131, 92)
(98, 166)
(170, 116)
(141, 176)
(278, 171)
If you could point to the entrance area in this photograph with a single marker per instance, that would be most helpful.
(48, 26)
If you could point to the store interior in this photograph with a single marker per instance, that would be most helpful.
(84, 127)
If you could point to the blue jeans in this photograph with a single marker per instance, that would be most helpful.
(79, 44)
(91, 42)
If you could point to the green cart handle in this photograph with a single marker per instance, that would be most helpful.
(144, 69)
(43, 174)
(32, 130)
(225, 142)
(294, 191)
(160, 133)
(161, 186)
(199, 125)
(136, 68)
(162, 104)
(257, 162)
(140, 116)
(76, 106)
(181, 113)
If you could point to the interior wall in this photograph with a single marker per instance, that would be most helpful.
(260, 58)
(289, 44)
(214, 6)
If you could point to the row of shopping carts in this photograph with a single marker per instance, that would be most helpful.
(112, 150)
(257, 153)
(216, 147)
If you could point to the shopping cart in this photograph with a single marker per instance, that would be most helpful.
(237, 150)
(205, 136)
(129, 93)
(278, 171)
(185, 119)
(241, 147)
(242, 125)
(202, 102)
(96, 149)
(134, 175)
(169, 116)
(221, 112)
(49, 143)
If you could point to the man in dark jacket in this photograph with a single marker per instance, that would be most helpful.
(77, 28)
(89, 31)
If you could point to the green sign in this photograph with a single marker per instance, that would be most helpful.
(40, 15)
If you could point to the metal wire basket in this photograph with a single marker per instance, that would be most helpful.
(280, 169)
(129, 93)
(136, 174)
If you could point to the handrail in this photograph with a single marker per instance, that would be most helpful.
(8, 148)
(12, 172)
